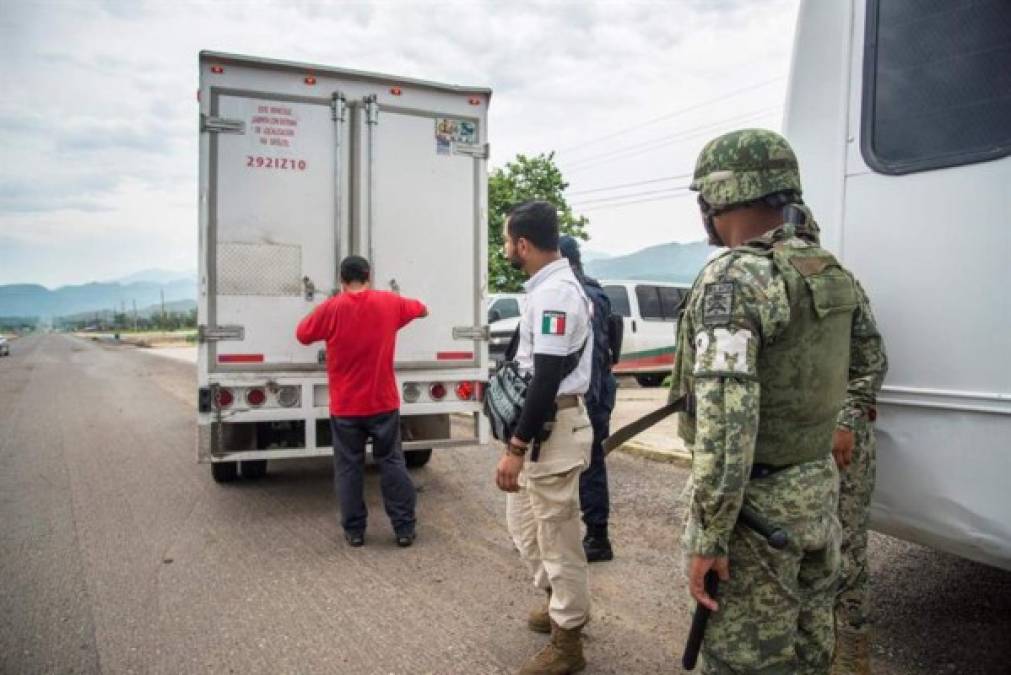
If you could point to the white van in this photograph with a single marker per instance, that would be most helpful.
(649, 310)
(901, 120)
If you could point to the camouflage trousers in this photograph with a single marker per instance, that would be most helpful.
(775, 612)
(856, 484)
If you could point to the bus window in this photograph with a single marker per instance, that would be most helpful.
(670, 301)
(936, 81)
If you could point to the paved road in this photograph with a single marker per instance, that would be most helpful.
(119, 553)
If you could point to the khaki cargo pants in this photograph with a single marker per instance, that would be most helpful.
(543, 518)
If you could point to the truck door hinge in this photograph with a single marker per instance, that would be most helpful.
(470, 332)
(338, 105)
(221, 125)
(371, 109)
(475, 150)
(207, 333)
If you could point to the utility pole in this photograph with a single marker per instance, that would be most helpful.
(163, 309)
(134, 314)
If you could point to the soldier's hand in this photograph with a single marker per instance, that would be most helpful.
(842, 447)
(697, 568)
(507, 473)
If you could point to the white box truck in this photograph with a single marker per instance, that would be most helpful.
(301, 165)
(904, 143)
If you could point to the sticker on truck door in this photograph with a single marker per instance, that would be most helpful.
(450, 132)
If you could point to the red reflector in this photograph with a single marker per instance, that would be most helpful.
(474, 101)
(437, 391)
(396, 91)
(223, 398)
(256, 397)
(310, 80)
(240, 358)
(454, 356)
(217, 70)
(480, 390)
(464, 390)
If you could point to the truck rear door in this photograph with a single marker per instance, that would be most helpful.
(272, 237)
(423, 173)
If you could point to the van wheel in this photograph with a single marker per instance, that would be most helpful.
(417, 458)
(649, 380)
(224, 472)
(253, 468)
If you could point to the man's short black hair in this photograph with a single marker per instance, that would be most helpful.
(537, 222)
(355, 269)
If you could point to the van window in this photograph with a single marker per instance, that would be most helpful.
(619, 300)
(507, 308)
(670, 301)
(936, 80)
(649, 302)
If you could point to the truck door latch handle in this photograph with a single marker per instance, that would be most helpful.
(309, 288)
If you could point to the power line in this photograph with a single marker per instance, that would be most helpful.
(636, 201)
(673, 114)
(685, 134)
(632, 194)
(623, 185)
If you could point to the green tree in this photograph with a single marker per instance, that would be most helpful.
(522, 179)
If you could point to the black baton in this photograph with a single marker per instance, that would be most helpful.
(776, 537)
(699, 620)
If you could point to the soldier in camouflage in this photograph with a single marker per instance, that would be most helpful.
(763, 348)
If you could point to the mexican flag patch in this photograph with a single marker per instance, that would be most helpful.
(553, 323)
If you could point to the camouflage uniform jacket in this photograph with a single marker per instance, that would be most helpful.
(868, 366)
(724, 428)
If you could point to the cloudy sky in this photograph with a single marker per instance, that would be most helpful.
(98, 124)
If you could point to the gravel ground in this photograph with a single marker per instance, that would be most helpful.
(121, 555)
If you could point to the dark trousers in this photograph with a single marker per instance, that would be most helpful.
(594, 498)
(349, 437)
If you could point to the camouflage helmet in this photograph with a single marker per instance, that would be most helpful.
(743, 166)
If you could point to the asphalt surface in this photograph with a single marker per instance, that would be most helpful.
(120, 554)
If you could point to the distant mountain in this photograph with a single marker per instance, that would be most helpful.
(35, 300)
(158, 276)
(664, 262)
(588, 255)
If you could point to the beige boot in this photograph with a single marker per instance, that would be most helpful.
(852, 653)
(539, 621)
(561, 656)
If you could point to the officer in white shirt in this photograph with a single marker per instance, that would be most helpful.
(540, 472)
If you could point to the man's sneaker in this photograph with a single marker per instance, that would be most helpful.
(405, 540)
(355, 539)
(597, 548)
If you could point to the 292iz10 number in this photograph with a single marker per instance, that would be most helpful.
(279, 163)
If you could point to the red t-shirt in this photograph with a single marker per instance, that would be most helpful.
(360, 330)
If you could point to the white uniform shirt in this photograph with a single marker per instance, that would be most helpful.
(556, 321)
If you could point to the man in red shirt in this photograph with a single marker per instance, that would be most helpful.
(360, 329)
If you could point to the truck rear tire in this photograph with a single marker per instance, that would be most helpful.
(253, 469)
(649, 380)
(417, 458)
(224, 472)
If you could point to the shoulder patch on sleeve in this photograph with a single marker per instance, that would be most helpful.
(718, 303)
(552, 322)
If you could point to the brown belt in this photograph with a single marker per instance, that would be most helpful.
(567, 401)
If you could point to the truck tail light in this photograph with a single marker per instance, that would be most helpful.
(256, 397)
(412, 392)
(217, 70)
(437, 391)
(288, 396)
(396, 91)
(310, 80)
(474, 100)
(465, 390)
(224, 398)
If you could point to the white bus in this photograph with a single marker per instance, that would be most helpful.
(900, 113)
(301, 165)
